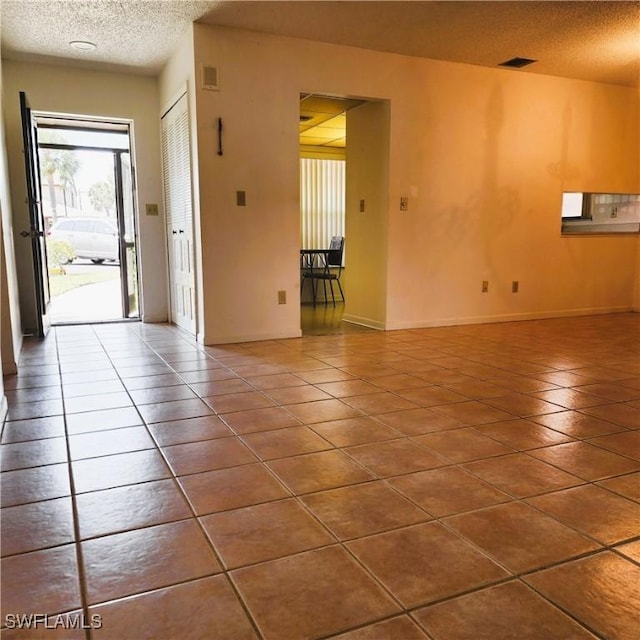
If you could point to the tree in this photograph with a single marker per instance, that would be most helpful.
(60, 163)
(102, 195)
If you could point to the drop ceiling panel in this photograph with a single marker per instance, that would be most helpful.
(326, 126)
(341, 142)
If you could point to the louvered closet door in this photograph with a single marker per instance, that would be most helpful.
(176, 160)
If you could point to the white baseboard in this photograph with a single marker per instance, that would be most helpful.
(154, 319)
(418, 324)
(4, 409)
(509, 317)
(257, 337)
(364, 322)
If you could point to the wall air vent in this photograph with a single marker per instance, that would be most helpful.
(210, 78)
(517, 63)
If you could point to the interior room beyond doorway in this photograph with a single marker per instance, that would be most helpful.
(323, 134)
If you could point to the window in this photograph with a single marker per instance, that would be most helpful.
(600, 213)
(322, 201)
(572, 204)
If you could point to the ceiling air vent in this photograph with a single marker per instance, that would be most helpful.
(210, 78)
(517, 63)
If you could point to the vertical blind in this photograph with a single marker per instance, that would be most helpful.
(322, 201)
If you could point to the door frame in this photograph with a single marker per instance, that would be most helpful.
(36, 218)
(83, 123)
(125, 244)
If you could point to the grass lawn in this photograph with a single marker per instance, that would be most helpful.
(59, 284)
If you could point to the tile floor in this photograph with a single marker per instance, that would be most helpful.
(448, 483)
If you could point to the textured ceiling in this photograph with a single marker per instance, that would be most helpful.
(597, 41)
(133, 35)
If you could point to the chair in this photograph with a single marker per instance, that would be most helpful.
(331, 270)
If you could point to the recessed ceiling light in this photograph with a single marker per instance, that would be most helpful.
(82, 45)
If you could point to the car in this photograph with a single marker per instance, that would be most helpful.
(94, 239)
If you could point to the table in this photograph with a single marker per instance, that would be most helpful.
(312, 261)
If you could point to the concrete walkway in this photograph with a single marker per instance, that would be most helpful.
(88, 303)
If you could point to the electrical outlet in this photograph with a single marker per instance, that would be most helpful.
(404, 204)
(282, 297)
(515, 286)
(614, 212)
(241, 198)
(485, 286)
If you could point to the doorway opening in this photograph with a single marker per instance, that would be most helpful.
(344, 159)
(87, 198)
(323, 135)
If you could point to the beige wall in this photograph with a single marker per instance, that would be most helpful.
(90, 93)
(366, 234)
(483, 155)
(636, 302)
(250, 252)
(3, 310)
(10, 323)
(177, 77)
(493, 151)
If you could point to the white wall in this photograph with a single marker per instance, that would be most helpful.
(177, 76)
(495, 149)
(3, 311)
(90, 93)
(636, 301)
(366, 238)
(483, 155)
(249, 252)
(10, 322)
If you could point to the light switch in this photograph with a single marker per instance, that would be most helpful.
(241, 198)
(151, 209)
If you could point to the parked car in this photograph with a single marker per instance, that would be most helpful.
(93, 239)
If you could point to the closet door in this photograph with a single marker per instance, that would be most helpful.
(176, 161)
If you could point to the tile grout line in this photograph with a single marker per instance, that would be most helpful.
(82, 578)
(263, 463)
(194, 517)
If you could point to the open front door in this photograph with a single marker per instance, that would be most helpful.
(125, 214)
(36, 219)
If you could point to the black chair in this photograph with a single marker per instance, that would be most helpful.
(331, 270)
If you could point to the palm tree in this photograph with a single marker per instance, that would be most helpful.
(60, 162)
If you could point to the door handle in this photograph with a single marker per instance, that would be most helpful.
(32, 234)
